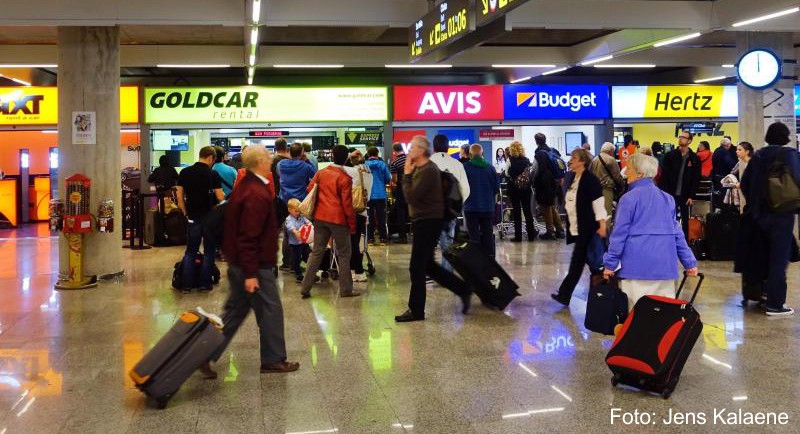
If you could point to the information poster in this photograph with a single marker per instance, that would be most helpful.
(84, 128)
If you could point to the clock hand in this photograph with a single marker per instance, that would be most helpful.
(758, 62)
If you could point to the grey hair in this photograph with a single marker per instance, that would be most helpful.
(608, 148)
(644, 165)
(253, 155)
(422, 142)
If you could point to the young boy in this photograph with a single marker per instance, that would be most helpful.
(297, 241)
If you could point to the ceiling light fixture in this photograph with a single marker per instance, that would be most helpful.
(555, 71)
(599, 59)
(728, 65)
(252, 60)
(418, 66)
(256, 11)
(250, 80)
(25, 65)
(198, 65)
(626, 66)
(254, 36)
(706, 80)
(309, 66)
(523, 66)
(676, 40)
(767, 17)
(520, 80)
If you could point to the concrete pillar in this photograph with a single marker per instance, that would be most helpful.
(602, 133)
(779, 99)
(88, 80)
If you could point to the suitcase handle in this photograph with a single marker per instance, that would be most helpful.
(683, 282)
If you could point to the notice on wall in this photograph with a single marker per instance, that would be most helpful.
(84, 128)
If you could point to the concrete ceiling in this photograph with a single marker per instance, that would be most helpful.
(365, 36)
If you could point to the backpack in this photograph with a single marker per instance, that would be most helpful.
(524, 180)
(783, 193)
(453, 202)
(556, 165)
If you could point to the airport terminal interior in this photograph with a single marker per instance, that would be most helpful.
(101, 332)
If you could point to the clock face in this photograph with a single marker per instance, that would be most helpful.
(759, 69)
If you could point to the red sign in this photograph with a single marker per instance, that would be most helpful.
(505, 133)
(268, 133)
(448, 103)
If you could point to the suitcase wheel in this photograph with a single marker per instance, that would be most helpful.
(161, 403)
(666, 393)
(615, 380)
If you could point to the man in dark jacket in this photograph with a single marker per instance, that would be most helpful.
(680, 177)
(251, 246)
(723, 161)
(547, 190)
(479, 207)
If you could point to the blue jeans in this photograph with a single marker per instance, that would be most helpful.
(195, 236)
(445, 239)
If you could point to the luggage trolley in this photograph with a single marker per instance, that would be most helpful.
(502, 215)
(332, 262)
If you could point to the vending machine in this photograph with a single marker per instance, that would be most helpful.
(77, 221)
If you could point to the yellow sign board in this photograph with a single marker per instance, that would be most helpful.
(33, 105)
(215, 105)
(684, 101)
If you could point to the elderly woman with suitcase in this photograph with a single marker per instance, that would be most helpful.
(647, 241)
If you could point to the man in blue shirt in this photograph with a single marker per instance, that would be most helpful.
(227, 174)
(381, 177)
(295, 175)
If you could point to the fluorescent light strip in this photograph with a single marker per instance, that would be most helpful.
(251, 70)
(250, 80)
(254, 36)
(560, 392)
(309, 66)
(252, 60)
(593, 61)
(256, 11)
(740, 398)
(27, 406)
(23, 65)
(515, 415)
(315, 432)
(728, 65)
(676, 40)
(520, 80)
(523, 66)
(605, 65)
(198, 65)
(527, 369)
(706, 80)
(766, 17)
(546, 410)
(418, 66)
(555, 71)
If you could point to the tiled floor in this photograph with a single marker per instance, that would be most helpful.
(64, 356)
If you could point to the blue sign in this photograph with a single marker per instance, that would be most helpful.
(555, 102)
(458, 137)
(796, 102)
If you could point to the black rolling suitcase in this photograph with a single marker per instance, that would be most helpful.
(721, 231)
(606, 307)
(655, 341)
(488, 279)
(185, 347)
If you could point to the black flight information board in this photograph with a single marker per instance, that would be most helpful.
(446, 23)
(488, 10)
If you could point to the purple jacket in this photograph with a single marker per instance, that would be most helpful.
(647, 240)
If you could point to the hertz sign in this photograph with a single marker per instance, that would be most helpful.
(32, 105)
(448, 22)
(651, 102)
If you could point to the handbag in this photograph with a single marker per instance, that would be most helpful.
(308, 204)
(619, 190)
(606, 307)
(783, 193)
(360, 195)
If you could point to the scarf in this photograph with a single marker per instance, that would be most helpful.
(478, 161)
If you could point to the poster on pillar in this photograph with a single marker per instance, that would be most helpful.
(84, 128)
(779, 104)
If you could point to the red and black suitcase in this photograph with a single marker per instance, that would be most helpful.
(487, 278)
(655, 342)
(185, 347)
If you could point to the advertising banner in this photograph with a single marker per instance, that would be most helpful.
(555, 102)
(653, 102)
(189, 105)
(459, 137)
(447, 103)
(363, 138)
(34, 105)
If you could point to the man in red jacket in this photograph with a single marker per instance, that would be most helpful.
(251, 246)
(335, 218)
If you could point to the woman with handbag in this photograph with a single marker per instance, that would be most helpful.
(362, 188)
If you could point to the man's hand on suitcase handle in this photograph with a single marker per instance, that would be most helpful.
(692, 272)
(251, 285)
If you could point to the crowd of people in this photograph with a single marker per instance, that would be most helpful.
(625, 218)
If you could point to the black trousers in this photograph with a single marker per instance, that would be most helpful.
(480, 226)
(357, 256)
(778, 228)
(580, 256)
(377, 219)
(423, 263)
(521, 204)
(682, 210)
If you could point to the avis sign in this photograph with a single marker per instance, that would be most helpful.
(445, 103)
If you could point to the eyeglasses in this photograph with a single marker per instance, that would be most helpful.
(683, 137)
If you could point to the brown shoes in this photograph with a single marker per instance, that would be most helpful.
(280, 367)
(350, 294)
(207, 372)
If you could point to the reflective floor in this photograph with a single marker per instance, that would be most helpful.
(64, 356)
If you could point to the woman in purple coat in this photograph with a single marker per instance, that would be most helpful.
(647, 241)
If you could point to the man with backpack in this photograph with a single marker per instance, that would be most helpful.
(199, 189)
(446, 163)
(227, 174)
(552, 170)
(421, 180)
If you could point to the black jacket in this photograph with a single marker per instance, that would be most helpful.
(516, 165)
(545, 183)
(164, 178)
(671, 168)
(754, 180)
(589, 190)
(723, 161)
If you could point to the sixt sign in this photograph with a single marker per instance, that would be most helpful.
(555, 102)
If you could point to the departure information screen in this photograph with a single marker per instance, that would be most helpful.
(448, 22)
(488, 10)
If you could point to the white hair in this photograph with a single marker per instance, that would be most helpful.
(422, 142)
(608, 148)
(644, 165)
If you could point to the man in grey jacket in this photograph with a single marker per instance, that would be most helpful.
(604, 166)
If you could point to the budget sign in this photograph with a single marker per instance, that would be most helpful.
(555, 102)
